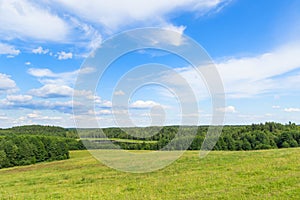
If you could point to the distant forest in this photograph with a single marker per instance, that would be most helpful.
(34, 143)
(269, 135)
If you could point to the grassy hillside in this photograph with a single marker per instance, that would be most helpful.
(268, 174)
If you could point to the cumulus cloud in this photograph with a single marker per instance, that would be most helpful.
(52, 91)
(64, 56)
(41, 72)
(40, 50)
(19, 98)
(79, 22)
(7, 84)
(7, 49)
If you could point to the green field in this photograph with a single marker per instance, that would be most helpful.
(266, 174)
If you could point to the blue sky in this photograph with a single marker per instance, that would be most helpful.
(255, 46)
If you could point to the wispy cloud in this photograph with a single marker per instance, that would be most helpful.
(250, 76)
(46, 76)
(129, 12)
(80, 23)
(60, 106)
(24, 19)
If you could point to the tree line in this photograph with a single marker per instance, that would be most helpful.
(31, 144)
(24, 150)
(269, 135)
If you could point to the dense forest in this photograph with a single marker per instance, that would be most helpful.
(31, 144)
(24, 150)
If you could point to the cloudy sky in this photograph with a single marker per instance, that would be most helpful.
(255, 46)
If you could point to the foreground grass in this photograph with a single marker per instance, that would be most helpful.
(270, 174)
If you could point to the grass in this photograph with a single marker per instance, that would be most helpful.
(268, 174)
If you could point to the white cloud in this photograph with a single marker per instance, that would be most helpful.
(90, 33)
(36, 115)
(40, 50)
(275, 107)
(227, 109)
(7, 84)
(143, 104)
(174, 39)
(41, 72)
(292, 109)
(246, 77)
(105, 103)
(86, 70)
(100, 112)
(19, 98)
(64, 56)
(46, 76)
(3, 118)
(7, 49)
(52, 91)
(24, 19)
(119, 93)
(27, 63)
(169, 34)
(128, 12)
(80, 22)
(60, 84)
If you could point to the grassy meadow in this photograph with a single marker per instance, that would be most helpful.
(264, 174)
